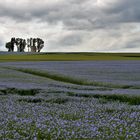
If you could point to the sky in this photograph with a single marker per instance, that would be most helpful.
(73, 25)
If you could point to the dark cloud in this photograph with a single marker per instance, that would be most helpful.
(76, 14)
(123, 11)
(111, 18)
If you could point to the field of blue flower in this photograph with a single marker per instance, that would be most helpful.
(70, 100)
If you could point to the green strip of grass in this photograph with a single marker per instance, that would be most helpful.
(31, 100)
(132, 100)
(21, 92)
(69, 57)
(62, 78)
(46, 74)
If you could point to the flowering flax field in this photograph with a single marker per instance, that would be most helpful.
(64, 100)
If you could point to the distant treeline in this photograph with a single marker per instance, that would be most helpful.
(33, 44)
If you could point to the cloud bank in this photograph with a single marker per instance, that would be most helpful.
(73, 25)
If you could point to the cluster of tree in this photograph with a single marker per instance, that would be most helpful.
(33, 44)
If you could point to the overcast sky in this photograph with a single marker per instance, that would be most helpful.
(73, 25)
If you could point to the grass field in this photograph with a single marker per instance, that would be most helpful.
(68, 56)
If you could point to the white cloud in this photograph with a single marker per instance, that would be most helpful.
(73, 25)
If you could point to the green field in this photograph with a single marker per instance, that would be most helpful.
(69, 56)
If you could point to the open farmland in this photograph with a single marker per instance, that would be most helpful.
(70, 99)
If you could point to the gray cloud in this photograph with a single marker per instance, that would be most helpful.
(124, 11)
(75, 23)
(77, 14)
